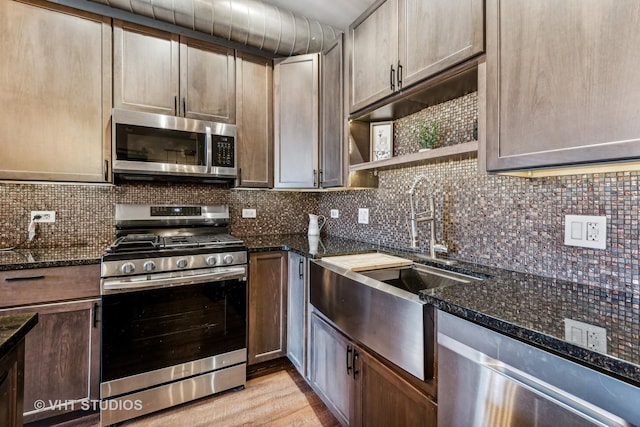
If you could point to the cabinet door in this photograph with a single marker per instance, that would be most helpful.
(145, 69)
(385, 399)
(296, 122)
(55, 102)
(436, 34)
(296, 311)
(267, 306)
(332, 118)
(561, 82)
(62, 357)
(254, 94)
(374, 54)
(11, 386)
(207, 81)
(330, 356)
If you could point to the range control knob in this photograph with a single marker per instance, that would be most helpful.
(182, 263)
(128, 268)
(228, 259)
(149, 266)
(211, 260)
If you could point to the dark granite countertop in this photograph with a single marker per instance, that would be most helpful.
(21, 259)
(13, 328)
(308, 246)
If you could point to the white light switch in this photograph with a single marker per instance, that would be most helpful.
(363, 216)
(248, 213)
(585, 231)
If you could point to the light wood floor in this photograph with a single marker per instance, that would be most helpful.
(281, 398)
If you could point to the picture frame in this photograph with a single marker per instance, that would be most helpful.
(381, 140)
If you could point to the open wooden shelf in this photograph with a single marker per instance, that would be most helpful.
(414, 159)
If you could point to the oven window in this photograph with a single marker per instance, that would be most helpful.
(145, 144)
(147, 330)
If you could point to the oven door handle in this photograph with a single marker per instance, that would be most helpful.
(186, 278)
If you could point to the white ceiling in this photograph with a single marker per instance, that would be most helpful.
(338, 13)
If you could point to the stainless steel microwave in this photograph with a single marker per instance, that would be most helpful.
(151, 145)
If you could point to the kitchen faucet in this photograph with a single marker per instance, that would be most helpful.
(426, 216)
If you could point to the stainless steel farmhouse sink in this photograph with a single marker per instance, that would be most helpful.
(382, 310)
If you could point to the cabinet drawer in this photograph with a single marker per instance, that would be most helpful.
(37, 285)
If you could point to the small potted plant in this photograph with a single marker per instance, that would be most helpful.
(429, 135)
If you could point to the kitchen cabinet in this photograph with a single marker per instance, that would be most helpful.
(397, 43)
(254, 103)
(298, 297)
(560, 83)
(164, 73)
(358, 387)
(296, 112)
(62, 352)
(309, 120)
(332, 120)
(55, 102)
(12, 386)
(267, 316)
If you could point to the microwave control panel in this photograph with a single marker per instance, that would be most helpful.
(223, 151)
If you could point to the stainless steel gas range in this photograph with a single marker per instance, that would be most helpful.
(174, 300)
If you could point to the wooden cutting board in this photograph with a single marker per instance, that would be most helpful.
(368, 261)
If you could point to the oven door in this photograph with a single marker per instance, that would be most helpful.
(158, 335)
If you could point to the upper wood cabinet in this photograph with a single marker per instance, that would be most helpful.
(562, 80)
(55, 102)
(397, 43)
(254, 103)
(296, 112)
(309, 120)
(332, 119)
(164, 73)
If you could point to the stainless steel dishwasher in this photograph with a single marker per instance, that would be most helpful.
(489, 379)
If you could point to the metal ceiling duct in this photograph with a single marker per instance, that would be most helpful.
(250, 22)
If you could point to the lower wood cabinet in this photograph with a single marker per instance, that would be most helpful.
(11, 386)
(297, 311)
(62, 352)
(267, 306)
(358, 387)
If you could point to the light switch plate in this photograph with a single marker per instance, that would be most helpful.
(248, 213)
(585, 231)
(363, 216)
(335, 213)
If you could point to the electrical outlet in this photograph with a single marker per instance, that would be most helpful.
(585, 231)
(363, 216)
(335, 213)
(45, 216)
(248, 213)
(586, 335)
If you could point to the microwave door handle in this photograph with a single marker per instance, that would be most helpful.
(209, 149)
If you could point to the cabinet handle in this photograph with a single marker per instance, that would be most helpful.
(355, 360)
(239, 176)
(399, 76)
(314, 178)
(301, 269)
(20, 279)
(95, 314)
(106, 170)
(175, 105)
(320, 176)
(349, 351)
(392, 78)
(184, 106)
(4, 376)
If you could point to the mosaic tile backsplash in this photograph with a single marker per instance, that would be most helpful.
(85, 213)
